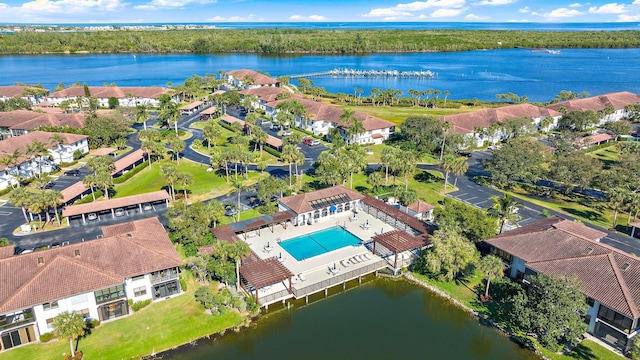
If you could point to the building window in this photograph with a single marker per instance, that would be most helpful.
(140, 291)
(50, 323)
(84, 313)
(614, 318)
(50, 305)
(111, 293)
(590, 302)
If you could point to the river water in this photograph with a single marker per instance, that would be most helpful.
(466, 75)
(382, 319)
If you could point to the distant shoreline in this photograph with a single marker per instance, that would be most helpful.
(304, 41)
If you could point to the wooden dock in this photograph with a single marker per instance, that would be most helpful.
(425, 74)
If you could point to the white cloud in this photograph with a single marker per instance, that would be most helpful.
(170, 4)
(296, 17)
(575, 5)
(310, 18)
(440, 13)
(476, 17)
(66, 6)
(636, 2)
(495, 2)
(563, 13)
(628, 18)
(405, 10)
(535, 13)
(524, 10)
(317, 17)
(250, 17)
(612, 8)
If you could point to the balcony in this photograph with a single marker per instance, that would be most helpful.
(162, 276)
(16, 320)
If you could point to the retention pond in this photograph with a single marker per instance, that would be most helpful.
(380, 319)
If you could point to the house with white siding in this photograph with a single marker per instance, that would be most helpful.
(616, 103)
(128, 96)
(96, 279)
(29, 93)
(247, 79)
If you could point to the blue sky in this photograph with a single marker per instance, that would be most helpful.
(220, 11)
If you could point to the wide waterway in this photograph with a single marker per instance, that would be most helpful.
(382, 319)
(466, 75)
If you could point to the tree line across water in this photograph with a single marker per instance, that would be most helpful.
(276, 41)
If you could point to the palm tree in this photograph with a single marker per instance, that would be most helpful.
(290, 156)
(57, 140)
(492, 266)
(91, 181)
(446, 95)
(447, 164)
(260, 137)
(170, 115)
(238, 250)
(21, 197)
(387, 157)
(445, 128)
(185, 179)
(238, 185)
(616, 197)
(177, 145)
(105, 181)
(375, 180)
(211, 131)
(142, 115)
(459, 168)
(53, 198)
(36, 150)
(69, 325)
(250, 121)
(216, 211)
(170, 174)
(504, 209)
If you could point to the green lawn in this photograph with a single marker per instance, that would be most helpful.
(205, 184)
(159, 326)
(399, 114)
(376, 150)
(607, 155)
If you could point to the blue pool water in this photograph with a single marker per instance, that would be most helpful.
(310, 245)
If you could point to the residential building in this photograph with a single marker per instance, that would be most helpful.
(22, 91)
(247, 79)
(422, 210)
(616, 103)
(609, 278)
(468, 123)
(265, 94)
(133, 261)
(127, 96)
(19, 122)
(320, 205)
(26, 166)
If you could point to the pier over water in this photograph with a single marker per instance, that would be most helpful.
(338, 72)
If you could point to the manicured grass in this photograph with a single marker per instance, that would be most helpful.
(377, 153)
(248, 214)
(399, 114)
(205, 184)
(158, 327)
(607, 155)
(587, 349)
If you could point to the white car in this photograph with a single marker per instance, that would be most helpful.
(146, 207)
(314, 142)
(92, 216)
(119, 212)
(287, 133)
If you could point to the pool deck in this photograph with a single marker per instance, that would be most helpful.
(315, 271)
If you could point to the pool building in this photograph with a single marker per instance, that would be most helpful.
(322, 239)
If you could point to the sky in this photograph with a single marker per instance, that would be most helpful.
(220, 11)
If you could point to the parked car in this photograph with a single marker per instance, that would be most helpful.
(307, 140)
(74, 172)
(119, 212)
(275, 127)
(92, 216)
(314, 142)
(231, 211)
(287, 133)
(55, 245)
(146, 207)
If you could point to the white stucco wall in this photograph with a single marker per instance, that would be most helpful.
(130, 284)
(70, 304)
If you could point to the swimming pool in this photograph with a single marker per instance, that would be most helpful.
(320, 242)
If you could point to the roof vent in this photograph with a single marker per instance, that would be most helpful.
(40, 260)
(77, 252)
(129, 235)
(588, 251)
(625, 266)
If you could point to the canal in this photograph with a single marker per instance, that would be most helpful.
(380, 319)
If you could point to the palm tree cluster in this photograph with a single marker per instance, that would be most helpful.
(37, 201)
(102, 166)
(453, 164)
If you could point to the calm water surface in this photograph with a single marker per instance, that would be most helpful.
(467, 75)
(383, 319)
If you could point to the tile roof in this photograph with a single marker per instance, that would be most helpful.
(264, 93)
(258, 78)
(103, 205)
(20, 143)
(617, 100)
(102, 152)
(15, 91)
(127, 160)
(27, 120)
(556, 246)
(101, 263)
(265, 272)
(300, 203)
(192, 105)
(595, 139)
(120, 92)
(421, 206)
(72, 191)
(465, 123)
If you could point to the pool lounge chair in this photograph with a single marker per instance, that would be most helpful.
(301, 277)
(345, 263)
(359, 258)
(368, 256)
(353, 260)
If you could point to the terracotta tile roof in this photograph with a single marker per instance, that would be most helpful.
(102, 205)
(421, 206)
(102, 151)
(300, 203)
(127, 160)
(7, 251)
(274, 141)
(225, 232)
(101, 263)
(192, 105)
(209, 111)
(14, 91)
(466, 122)
(594, 139)
(399, 241)
(8, 146)
(616, 100)
(557, 247)
(231, 119)
(27, 120)
(72, 191)
(258, 78)
(119, 92)
(264, 93)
